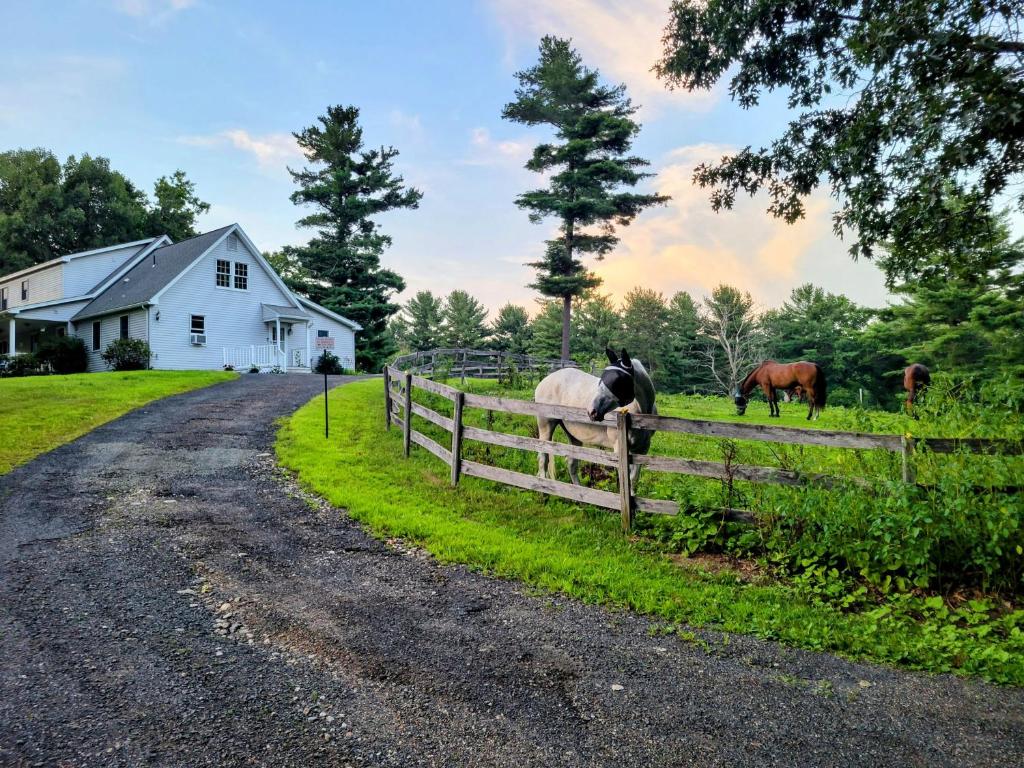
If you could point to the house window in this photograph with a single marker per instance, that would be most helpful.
(223, 273)
(323, 334)
(4, 350)
(241, 276)
(24, 290)
(232, 242)
(124, 326)
(198, 324)
(3, 297)
(96, 336)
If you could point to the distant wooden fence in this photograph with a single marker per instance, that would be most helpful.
(476, 363)
(400, 408)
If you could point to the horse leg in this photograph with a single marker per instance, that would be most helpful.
(810, 402)
(767, 389)
(573, 463)
(545, 431)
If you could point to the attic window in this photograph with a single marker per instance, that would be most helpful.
(223, 273)
(232, 242)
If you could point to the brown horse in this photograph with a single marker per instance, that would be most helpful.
(915, 378)
(772, 377)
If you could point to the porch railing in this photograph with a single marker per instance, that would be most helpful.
(255, 355)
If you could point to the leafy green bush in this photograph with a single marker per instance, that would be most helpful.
(127, 355)
(19, 365)
(329, 363)
(64, 354)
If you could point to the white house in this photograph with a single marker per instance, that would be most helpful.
(202, 303)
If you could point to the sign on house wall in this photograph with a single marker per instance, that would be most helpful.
(325, 343)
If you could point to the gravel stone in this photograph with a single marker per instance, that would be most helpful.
(418, 664)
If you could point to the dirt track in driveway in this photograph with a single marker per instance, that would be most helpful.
(168, 598)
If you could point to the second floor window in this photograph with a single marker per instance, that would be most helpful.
(24, 290)
(241, 276)
(223, 273)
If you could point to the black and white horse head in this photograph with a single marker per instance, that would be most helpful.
(616, 388)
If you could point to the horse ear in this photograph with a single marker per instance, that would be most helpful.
(625, 358)
(611, 355)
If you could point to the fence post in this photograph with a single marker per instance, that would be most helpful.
(907, 451)
(387, 398)
(460, 397)
(625, 492)
(407, 424)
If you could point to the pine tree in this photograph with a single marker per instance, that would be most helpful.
(546, 341)
(349, 186)
(588, 165)
(595, 327)
(419, 326)
(645, 330)
(465, 323)
(683, 372)
(510, 331)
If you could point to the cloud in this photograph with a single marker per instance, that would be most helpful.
(411, 124)
(687, 246)
(485, 150)
(154, 11)
(273, 151)
(621, 38)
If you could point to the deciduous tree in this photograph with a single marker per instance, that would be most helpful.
(731, 343)
(903, 107)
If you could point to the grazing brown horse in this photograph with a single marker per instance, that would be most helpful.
(772, 377)
(915, 378)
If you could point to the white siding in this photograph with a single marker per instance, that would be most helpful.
(44, 285)
(110, 329)
(344, 338)
(82, 274)
(233, 317)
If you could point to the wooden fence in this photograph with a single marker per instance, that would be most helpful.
(400, 408)
(476, 363)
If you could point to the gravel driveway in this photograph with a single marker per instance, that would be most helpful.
(168, 598)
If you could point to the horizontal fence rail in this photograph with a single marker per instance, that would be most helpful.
(399, 409)
(476, 363)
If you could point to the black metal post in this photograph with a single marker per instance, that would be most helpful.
(327, 420)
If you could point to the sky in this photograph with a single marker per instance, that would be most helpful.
(216, 89)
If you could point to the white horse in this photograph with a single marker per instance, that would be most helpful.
(624, 384)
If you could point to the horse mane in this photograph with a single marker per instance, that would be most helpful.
(644, 387)
(744, 389)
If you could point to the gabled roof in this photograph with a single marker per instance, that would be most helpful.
(325, 311)
(151, 275)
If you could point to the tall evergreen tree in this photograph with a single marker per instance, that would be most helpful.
(683, 372)
(510, 331)
(421, 322)
(546, 339)
(596, 325)
(465, 321)
(645, 330)
(588, 167)
(348, 186)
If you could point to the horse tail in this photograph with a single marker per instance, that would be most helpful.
(820, 388)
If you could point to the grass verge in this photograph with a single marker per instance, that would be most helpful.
(39, 413)
(559, 546)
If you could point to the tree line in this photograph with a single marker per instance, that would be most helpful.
(967, 324)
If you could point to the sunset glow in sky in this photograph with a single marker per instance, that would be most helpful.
(216, 88)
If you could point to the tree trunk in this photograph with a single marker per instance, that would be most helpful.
(566, 320)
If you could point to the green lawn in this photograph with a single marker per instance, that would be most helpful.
(578, 550)
(39, 413)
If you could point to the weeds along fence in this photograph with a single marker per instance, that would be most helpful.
(477, 363)
(400, 410)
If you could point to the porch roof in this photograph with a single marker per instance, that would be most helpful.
(273, 312)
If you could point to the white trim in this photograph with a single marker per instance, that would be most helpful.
(155, 298)
(324, 311)
(266, 266)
